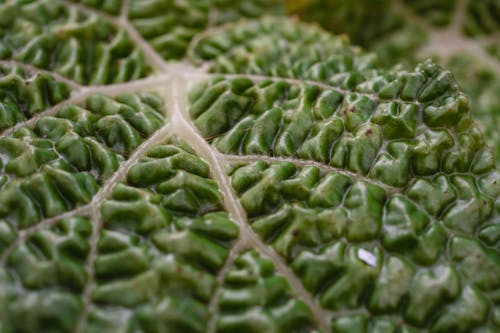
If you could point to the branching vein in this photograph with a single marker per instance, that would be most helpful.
(82, 93)
(183, 128)
(158, 137)
(122, 22)
(33, 69)
(307, 163)
(449, 41)
(44, 224)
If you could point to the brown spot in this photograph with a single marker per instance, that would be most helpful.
(369, 132)
(352, 109)
(295, 233)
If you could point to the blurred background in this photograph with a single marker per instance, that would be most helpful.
(460, 35)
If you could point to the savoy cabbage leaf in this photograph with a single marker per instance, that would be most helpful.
(462, 35)
(199, 166)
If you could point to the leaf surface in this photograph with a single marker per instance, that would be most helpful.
(171, 167)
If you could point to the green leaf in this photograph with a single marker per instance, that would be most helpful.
(186, 166)
(460, 35)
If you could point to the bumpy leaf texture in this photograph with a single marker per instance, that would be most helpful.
(167, 166)
(462, 35)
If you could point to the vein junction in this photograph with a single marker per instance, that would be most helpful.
(172, 79)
